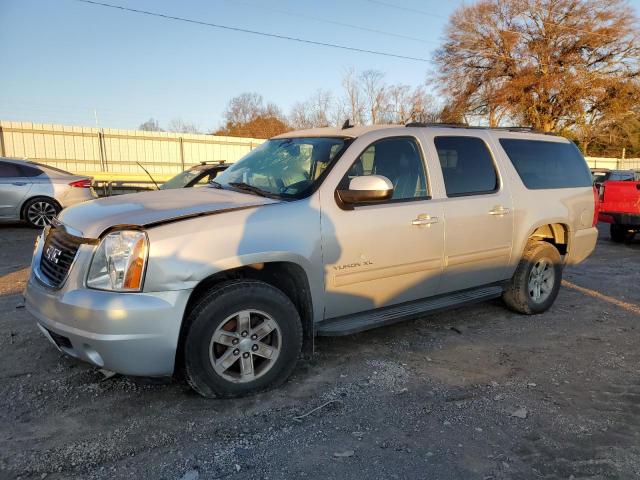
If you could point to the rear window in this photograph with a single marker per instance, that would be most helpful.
(543, 165)
(48, 167)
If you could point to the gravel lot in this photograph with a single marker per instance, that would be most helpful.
(474, 393)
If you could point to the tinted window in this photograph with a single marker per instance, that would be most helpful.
(52, 169)
(400, 161)
(467, 166)
(9, 170)
(543, 164)
(622, 176)
(30, 171)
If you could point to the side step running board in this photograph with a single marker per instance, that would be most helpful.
(358, 322)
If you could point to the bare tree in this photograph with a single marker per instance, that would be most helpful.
(406, 104)
(150, 125)
(317, 111)
(353, 95)
(178, 125)
(551, 64)
(244, 108)
(375, 94)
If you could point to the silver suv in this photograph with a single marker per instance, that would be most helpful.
(317, 232)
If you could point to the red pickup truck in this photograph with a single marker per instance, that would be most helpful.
(620, 206)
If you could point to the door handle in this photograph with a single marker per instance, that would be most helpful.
(424, 219)
(500, 210)
(18, 184)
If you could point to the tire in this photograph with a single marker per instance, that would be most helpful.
(539, 272)
(619, 233)
(38, 212)
(217, 354)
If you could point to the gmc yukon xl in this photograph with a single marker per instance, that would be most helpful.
(320, 232)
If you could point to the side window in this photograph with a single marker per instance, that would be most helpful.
(544, 164)
(467, 166)
(30, 171)
(8, 170)
(399, 160)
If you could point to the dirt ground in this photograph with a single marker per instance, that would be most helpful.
(474, 393)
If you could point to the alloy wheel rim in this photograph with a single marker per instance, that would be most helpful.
(245, 346)
(541, 280)
(41, 213)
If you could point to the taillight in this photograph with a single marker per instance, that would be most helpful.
(597, 198)
(85, 183)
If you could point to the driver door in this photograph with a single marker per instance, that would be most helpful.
(386, 253)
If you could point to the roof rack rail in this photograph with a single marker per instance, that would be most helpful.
(480, 127)
(213, 162)
(517, 128)
(436, 124)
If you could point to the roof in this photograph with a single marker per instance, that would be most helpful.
(356, 131)
(351, 132)
(23, 161)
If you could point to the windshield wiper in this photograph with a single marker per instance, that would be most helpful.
(215, 184)
(245, 187)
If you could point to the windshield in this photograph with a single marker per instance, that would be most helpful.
(182, 179)
(283, 168)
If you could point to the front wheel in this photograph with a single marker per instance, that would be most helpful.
(243, 337)
(536, 282)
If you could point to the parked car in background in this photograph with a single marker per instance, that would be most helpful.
(37, 193)
(318, 232)
(620, 207)
(199, 175)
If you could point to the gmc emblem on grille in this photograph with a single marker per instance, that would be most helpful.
(53, 254)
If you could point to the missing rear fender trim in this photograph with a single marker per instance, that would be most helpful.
(555, 233)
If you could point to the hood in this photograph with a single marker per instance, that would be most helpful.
(158, 206)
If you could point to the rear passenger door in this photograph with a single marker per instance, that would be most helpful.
(478, 211)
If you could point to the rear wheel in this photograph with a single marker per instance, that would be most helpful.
(536, 282)
(620, 233)
(38, 212)
(243, 337)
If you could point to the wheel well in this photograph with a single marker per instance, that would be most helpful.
(555, 233)
(288, 277)
(44, 197)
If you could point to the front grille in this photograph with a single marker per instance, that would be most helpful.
(58, 253)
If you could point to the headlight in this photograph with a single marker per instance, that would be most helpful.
(119, 261)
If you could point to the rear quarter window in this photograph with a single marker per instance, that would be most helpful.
(544, 165)
(30, 171)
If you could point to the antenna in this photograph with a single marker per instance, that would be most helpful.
(347, 124)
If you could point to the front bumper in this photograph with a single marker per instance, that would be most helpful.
(129, 333)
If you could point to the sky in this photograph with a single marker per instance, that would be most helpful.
(68, 62)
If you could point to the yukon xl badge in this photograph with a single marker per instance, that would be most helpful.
(53, 254)
(353, 265)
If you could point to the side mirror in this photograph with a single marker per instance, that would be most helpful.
(366, 189)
